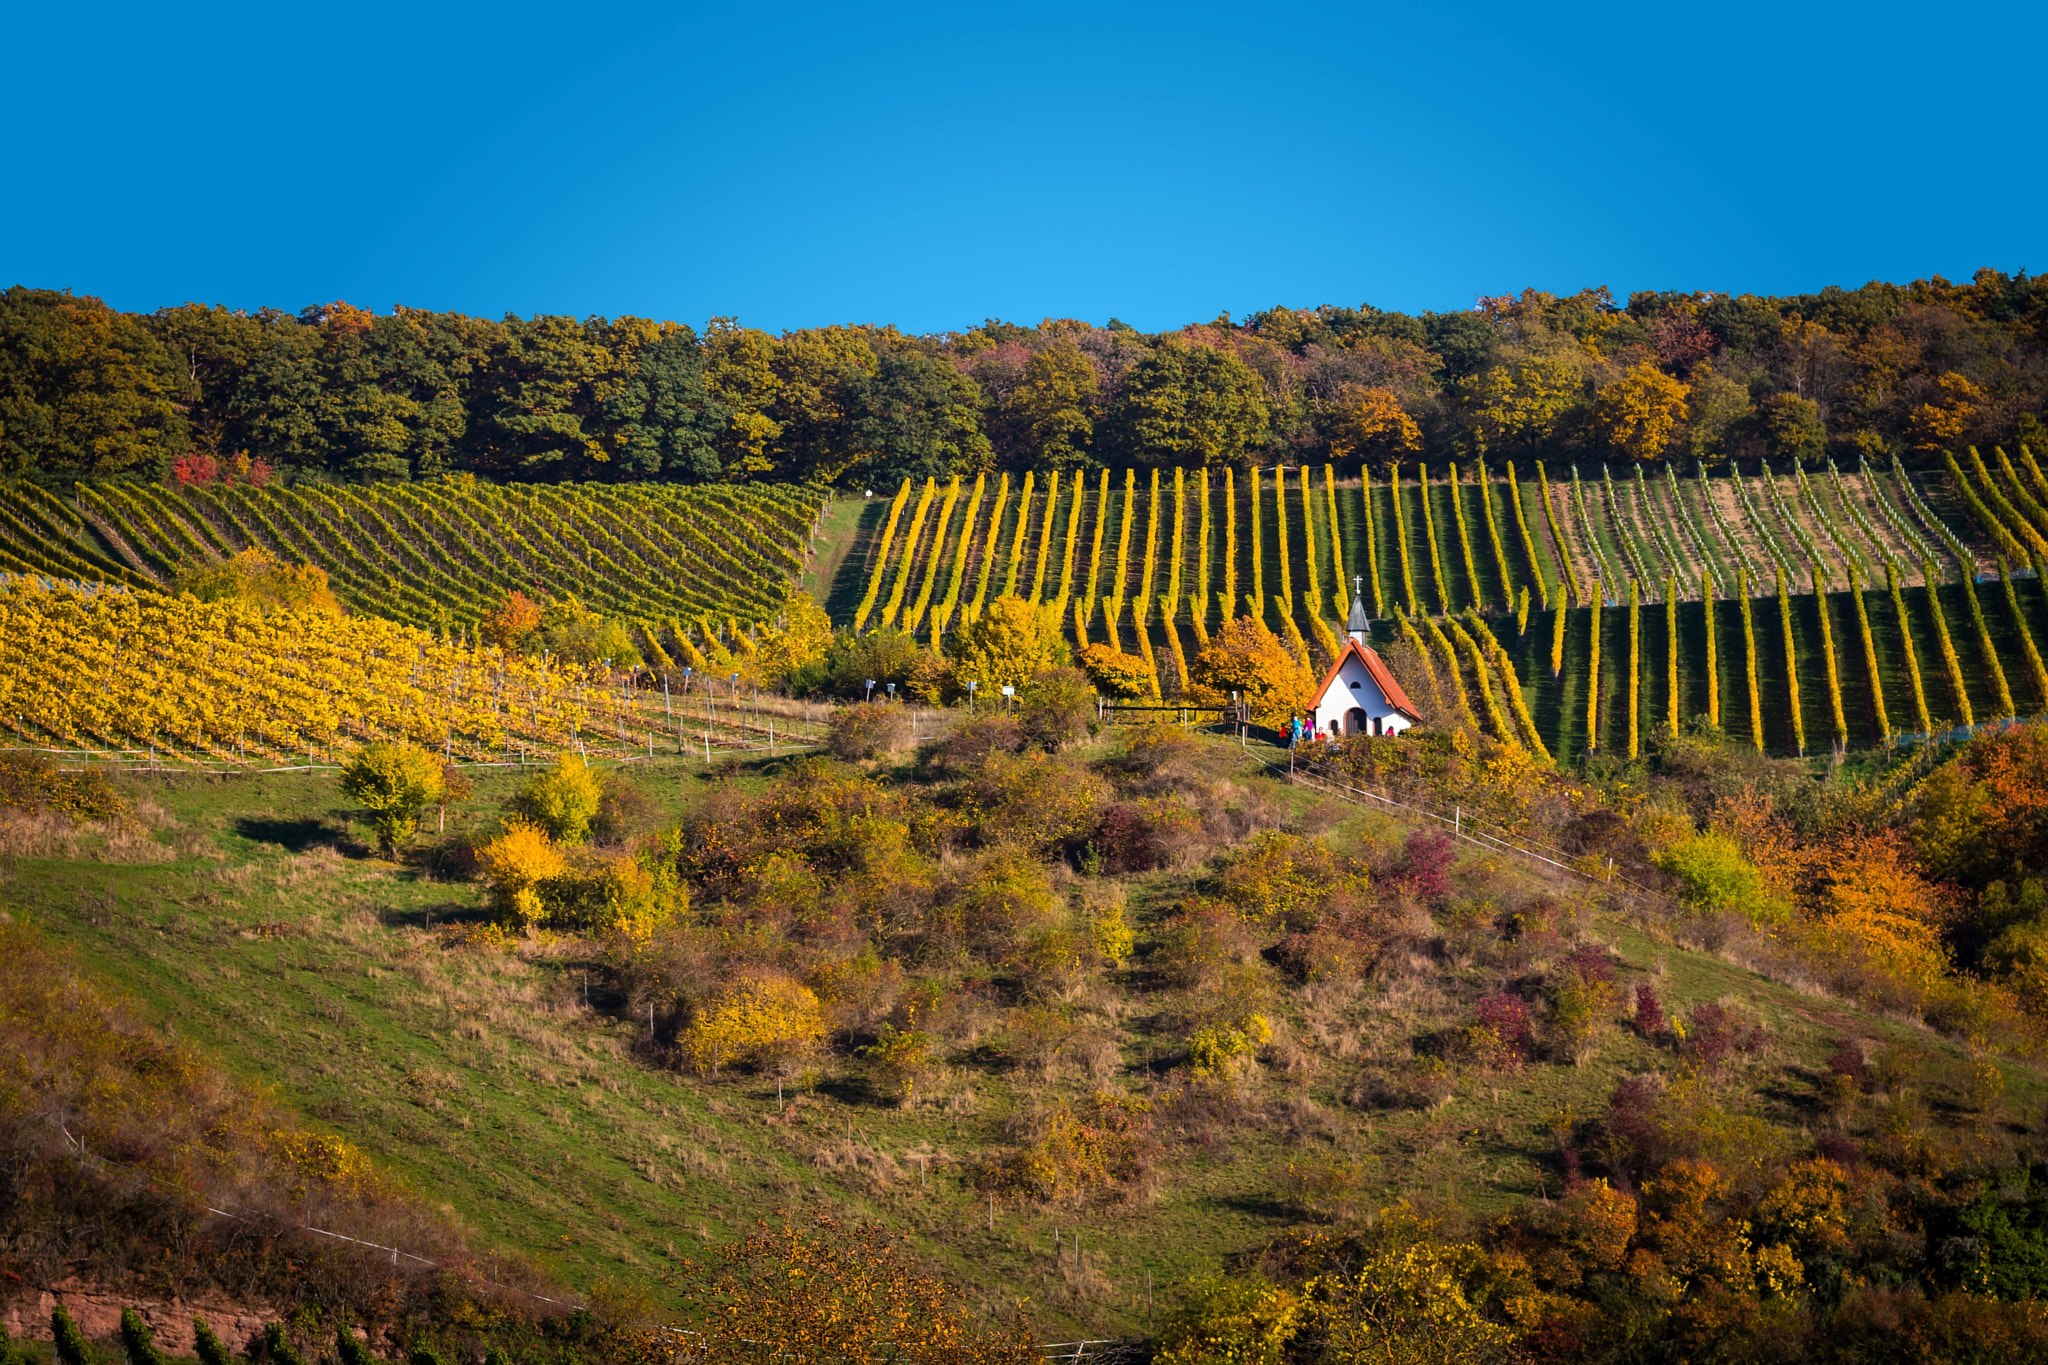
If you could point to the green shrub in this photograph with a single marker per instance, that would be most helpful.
(278, 1347)
(868, 730)
(1232, 1320)
(394, 781)
(1222, 1049)
(208, 1346)
(1717, 879)
(69, 1341)
(138, 1343)
(562, 800)
(1058, 708)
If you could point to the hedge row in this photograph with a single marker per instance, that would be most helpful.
(1496, 719)
(1372, 546)
(1564, 554)
(1500, 555)
(2022, 529)
(1336, 538)
(1147, 576)
(2034, 664)
(1401, 539)
(1791, 664)
(1884, 724)
(1450, 658)
(942, 614)
(1951, 664)
(1511, 682)
(1965, 561)
(1631, 546)
(1743, 564)
(1529, 541)
(1660, 534)
(901, 581)
(1635, 667)
(1710, 581)
(988, 548)
(867, 601)
(1280, 536)
(1713, 653)
(1557, 637)
(1016, 555)
(2000, 536)
(1920, 712)
(1991, 664)
(1888, 510)
(932, 558)
(1593, 685)
(1230, 542)
(1073, 545)
(1465, 539)
(1756, 701)
(1045, 525)
(1672, 703)
(1861, 522)
(1413, 637)
(1436, 559)
(1827, 646)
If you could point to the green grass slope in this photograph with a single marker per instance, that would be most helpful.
(516, 1089)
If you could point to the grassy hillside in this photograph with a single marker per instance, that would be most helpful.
(517, 1088)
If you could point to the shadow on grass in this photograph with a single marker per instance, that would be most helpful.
(430, 916)
(297, 835)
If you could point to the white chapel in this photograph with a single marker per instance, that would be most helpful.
(1359, 696)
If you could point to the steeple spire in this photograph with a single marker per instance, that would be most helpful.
(1357, 625)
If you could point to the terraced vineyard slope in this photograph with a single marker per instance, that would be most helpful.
(170, 681)
(441, 555)
(1153, 566)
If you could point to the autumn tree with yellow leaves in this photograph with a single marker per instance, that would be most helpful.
(1639, 413)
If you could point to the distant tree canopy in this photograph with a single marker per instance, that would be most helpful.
(344, 393)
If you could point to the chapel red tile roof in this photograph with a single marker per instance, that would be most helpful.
(1376, 668)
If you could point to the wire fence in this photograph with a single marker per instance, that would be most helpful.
(1471, 829)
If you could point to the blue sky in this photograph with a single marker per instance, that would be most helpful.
(930, 166)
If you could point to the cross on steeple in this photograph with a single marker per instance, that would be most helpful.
(1357, 624)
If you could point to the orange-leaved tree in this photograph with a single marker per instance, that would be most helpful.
(831, 1292)
(1115, 674)
(1949, 412)
(512, 620)
(1247, 658)
(1370, 422)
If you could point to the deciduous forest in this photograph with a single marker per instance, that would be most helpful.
(340, 392)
